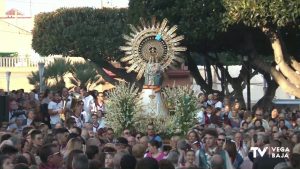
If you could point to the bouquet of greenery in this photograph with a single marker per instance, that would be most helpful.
(184, 100)
(123, 107)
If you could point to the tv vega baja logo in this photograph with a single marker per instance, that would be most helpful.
(274, 152)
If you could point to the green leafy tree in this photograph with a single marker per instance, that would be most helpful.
(201, 24)
(183, 103)
(272, 18)
(202, 21)
(93, 34)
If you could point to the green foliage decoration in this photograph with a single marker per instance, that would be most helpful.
(123, 106)
(125, 110)
(183, 101)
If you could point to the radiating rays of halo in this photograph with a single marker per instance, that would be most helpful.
(162, 32)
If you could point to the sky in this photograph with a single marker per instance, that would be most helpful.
(32, 7)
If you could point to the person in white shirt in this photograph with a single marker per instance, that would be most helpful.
(88, 100)
(96, 124)
(77, 114)
(55, 109)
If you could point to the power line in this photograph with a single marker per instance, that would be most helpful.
(19, 32)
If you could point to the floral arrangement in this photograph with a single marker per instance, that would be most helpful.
(123, 107)
(125, 110)
(183, 102)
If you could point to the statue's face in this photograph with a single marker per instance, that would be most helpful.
(153, 51)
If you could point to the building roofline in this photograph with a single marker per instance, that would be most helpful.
(13, 17)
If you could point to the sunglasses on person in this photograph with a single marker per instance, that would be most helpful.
(258, 114)
(219, 139)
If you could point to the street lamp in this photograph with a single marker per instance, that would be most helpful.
(246, 61)
(7, 81)
(41, 75)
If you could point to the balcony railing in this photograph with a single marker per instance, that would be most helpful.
(7, 62)
(31, 62)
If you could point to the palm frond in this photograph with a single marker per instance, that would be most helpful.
(85, 73)
(58, 68)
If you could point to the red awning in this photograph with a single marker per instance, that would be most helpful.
(14, 11)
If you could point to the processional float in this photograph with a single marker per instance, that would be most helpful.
(150, 49)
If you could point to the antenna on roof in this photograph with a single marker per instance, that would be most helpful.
(30, 9)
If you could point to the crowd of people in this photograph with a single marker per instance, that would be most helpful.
(67, 130)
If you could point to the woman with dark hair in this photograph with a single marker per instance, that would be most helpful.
(281, 124)
(109, 160)
(46, 99)
(257, 123)
(153, 146)
(216, 117)
(236, 158)
(189, 159)
(95, 105)
(78, 114)
(6, 162)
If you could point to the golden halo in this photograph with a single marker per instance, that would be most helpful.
(153, 42)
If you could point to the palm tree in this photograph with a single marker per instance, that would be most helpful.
(34, 79)
(57, 70)
(85, 74)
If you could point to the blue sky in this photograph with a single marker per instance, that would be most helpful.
(50, 5)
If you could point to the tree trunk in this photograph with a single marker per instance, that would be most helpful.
(238, 92)
(197, 76)
(292, 83)
(266, 101)
(209, 73)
